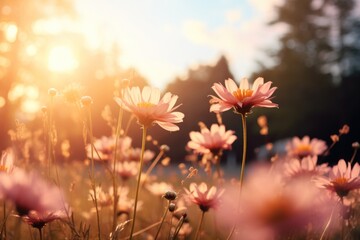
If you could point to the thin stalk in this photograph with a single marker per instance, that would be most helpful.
(116, 197)
(162, 220)
(178, 227)
(143, 230)
(49, 142)
(199, 227)
(3, 228)
(153, 164)
(353, 156)
(143, 142)
(327, 225)
(93, 184)
(40, 233)
(242, 170)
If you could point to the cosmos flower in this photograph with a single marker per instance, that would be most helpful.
(7, 161)
(306, 167)
(104, 199)
(105, 147)
(127, 169)
(271, 209)
(213, 140)
(305, 147)
(243, 98)
(135, 153)
(125, 204)
(147, 106)
(29, 192)
(204, 197)
(159, 188)
(39, 220)
(342, 178)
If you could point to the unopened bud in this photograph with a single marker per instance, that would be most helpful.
(355, 145)
(172, 207)
(52, 92)
(86, 100)
(164, 148)
(170, 195)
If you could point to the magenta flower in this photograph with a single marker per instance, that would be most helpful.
(39, 220)
(243, 98)
(204, 197)
(28, 192)
(212, 140)
(305, 147)
(342, 178)
(147, 106)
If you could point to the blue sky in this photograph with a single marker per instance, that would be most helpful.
(162, 39)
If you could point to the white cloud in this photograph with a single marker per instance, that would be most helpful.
(233, 15)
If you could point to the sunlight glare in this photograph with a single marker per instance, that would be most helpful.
(62, 59)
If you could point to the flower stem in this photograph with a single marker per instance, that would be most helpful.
(116, 197)
(178, 227)
(143, 142)
(353, 156)
(153, 164)
(162, 221)
(40, 233)
(199, 227)
(92, 175)
(242, 170)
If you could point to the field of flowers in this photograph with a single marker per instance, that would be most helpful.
(126, 192)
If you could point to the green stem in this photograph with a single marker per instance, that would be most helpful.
(199, 227)
(162, 220)
(143, 142)
(242, 170)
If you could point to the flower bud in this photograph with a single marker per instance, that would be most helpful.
(172, 207)
(170, 195)
(52, 92)
(86, 100)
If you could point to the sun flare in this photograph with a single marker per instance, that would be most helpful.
(62, 59)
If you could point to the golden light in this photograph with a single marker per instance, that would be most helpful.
(62, 59)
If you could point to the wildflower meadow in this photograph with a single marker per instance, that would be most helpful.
(124, 191)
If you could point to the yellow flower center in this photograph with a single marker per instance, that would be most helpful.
(303, 149)
(3, 168)
(145, 104)
(240, 94)
(339, 181)
(277, 210)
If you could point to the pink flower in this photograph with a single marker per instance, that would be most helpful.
(212, 140)
(147, 106)
(305, 167)
(39, 220)
(7, 161)
(304, 147)
(29, 192)
(105, 147)
(271, 209)
(243, 98)
(203, 197)
(127, 169)
(159, 188)
(134, 155)
(342, 178)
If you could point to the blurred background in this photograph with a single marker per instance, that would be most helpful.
(309, 49)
